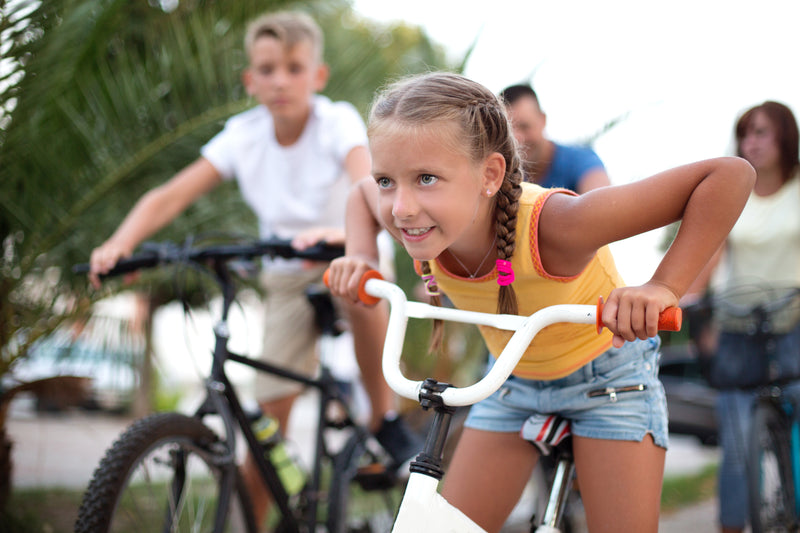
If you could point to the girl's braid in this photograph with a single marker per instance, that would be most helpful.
(506, 207)
(437, 334)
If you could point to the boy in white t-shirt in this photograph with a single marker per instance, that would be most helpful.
(294, 158)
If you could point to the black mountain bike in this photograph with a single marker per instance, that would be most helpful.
(173, 472)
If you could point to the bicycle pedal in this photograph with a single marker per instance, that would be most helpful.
(374, 476)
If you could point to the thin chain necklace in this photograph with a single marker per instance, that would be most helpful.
(475, 273)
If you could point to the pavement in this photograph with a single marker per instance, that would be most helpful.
(62, 450)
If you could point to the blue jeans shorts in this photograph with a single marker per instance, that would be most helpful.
(624, 416)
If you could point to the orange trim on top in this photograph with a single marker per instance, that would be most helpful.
(533, 235)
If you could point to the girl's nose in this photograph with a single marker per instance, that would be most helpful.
(404, 205)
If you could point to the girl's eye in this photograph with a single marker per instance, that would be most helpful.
(428, 179)
(383, 183)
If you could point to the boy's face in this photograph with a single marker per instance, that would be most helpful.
(284, 79)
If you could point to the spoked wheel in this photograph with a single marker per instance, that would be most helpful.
(167, 472)
(771, 487)
(364, 496)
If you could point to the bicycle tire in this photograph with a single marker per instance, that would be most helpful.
(133, 487)
(770, 483)
(364, 497)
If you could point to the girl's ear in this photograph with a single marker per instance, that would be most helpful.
(494, 171)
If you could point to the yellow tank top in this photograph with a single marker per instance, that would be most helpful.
(560, 349)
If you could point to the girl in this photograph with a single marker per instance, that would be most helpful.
(447, 184)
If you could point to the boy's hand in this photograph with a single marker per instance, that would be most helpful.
(344, 277)
(103, 259)
(310, 237)
(632, 312)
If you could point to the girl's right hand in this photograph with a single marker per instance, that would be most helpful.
(344, 277)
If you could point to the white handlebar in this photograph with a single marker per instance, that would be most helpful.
(524, 328)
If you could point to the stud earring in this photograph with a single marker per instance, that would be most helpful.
(489, 193)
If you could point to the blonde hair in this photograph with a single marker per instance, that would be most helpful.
(288, 27)
(483, 128)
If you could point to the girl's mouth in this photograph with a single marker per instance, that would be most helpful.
(416, 232)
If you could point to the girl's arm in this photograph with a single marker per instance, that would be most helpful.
(361, 241)
(706, 196)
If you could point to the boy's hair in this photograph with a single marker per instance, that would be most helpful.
(786, 133)
(483, 128)
(288, 27)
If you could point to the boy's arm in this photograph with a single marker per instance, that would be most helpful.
(154, 210)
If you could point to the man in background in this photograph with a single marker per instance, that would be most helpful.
(547, 163)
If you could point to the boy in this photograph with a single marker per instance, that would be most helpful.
(294, 157)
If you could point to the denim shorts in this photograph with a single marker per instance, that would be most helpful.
(623, 416)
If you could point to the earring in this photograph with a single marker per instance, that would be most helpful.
(489, 193)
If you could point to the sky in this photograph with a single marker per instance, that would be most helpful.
(679, 72)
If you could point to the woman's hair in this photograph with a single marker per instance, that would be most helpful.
(288, 27)
(786, 133)
(482, 128)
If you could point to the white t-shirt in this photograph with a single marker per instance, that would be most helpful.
(290, 188)
(764, 244)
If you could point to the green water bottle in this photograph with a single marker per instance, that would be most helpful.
(268, 433)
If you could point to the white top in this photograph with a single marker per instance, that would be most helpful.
(290, 188)
(764, 244)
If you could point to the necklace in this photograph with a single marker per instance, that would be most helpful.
(475, 273)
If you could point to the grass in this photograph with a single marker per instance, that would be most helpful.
(41, 511)
(55, 510)
(677, 492)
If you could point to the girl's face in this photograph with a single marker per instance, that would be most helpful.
(432, 197)
(760, 144)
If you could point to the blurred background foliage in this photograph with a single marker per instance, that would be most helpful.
(101, 100)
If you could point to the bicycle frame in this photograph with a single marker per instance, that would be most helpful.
(223, 400)
(221, 397)
(422, 507)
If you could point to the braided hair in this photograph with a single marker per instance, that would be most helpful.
(483, 128)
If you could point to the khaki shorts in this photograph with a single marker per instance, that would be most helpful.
(290, 334)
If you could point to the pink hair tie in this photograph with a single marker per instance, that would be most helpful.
(505, 274)
(430, 285)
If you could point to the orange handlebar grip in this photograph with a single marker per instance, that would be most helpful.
(362, 293)
(670, 319)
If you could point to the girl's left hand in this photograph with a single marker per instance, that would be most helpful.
(632, 312)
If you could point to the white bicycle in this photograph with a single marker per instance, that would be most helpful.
(422, 507)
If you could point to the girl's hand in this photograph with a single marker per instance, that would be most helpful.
(632, 312)
(344, 276)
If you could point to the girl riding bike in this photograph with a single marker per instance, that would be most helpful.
(447, 184)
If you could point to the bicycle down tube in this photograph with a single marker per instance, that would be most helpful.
(422, 507)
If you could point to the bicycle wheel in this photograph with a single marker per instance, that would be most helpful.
(364, 496)
(770, 482)
(166, 472)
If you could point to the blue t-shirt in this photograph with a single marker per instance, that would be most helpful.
(569, 164)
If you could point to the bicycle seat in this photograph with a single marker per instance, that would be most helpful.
(546, 432)
(325, 315)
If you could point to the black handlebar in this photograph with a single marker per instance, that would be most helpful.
(154, 254)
